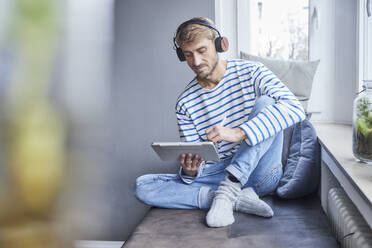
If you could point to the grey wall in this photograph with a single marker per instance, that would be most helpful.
(147, 80)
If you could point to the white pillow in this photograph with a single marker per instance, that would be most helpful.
(297, 75)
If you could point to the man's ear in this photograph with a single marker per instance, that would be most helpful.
(224, 44)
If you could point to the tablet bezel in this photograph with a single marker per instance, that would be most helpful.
(170, 151)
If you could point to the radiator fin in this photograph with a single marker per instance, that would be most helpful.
(328, 181)
(350, 228)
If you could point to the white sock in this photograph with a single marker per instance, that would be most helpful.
(221, 211)
(248, 202)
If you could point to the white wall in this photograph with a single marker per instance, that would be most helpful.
(334, 42)
(226, 22)
(321, 46)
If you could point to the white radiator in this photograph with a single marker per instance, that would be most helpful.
(351, 230)
(328, 181)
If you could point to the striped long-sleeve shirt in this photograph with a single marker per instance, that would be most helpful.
(233, 98)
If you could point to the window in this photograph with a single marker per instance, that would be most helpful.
(365, 41)
(278, 29)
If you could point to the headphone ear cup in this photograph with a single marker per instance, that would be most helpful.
(222, 44)
(180, 54)
(218, 44)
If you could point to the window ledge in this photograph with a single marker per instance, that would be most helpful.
(98, 244)
(355, 177)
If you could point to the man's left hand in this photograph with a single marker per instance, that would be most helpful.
(218, 132)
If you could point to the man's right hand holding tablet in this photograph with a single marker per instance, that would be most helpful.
(190, 163)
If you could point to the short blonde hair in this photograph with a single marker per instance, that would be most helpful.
(192, 32)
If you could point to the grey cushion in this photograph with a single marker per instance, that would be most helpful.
(301, 173)
(297, 75)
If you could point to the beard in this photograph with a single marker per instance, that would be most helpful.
(209, 69)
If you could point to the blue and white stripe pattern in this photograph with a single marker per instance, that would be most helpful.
(234, 97)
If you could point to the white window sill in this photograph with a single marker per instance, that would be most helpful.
(98, 244)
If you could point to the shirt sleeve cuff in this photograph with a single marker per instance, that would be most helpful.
(249, 132)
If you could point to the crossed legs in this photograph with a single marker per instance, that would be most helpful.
(257, 169)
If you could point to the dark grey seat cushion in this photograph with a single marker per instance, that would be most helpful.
(301, 160)
(296, 223)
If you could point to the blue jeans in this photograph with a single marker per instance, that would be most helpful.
(256, 166)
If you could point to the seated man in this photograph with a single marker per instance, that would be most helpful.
(242, 107)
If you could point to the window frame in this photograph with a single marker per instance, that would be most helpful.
(364, 35)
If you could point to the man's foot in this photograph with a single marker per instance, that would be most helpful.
(221, 211)
(248, 202)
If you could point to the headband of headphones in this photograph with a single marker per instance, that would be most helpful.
(220, 47)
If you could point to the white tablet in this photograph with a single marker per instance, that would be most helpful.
(170, 151)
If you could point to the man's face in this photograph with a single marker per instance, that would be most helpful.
(201, 56)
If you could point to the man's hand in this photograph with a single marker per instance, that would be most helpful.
(190, 164)
(218, 132)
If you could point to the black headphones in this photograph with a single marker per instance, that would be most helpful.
(217, 41)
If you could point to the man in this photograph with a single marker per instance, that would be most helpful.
(242, 107)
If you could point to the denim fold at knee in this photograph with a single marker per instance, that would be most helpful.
(248, 158)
